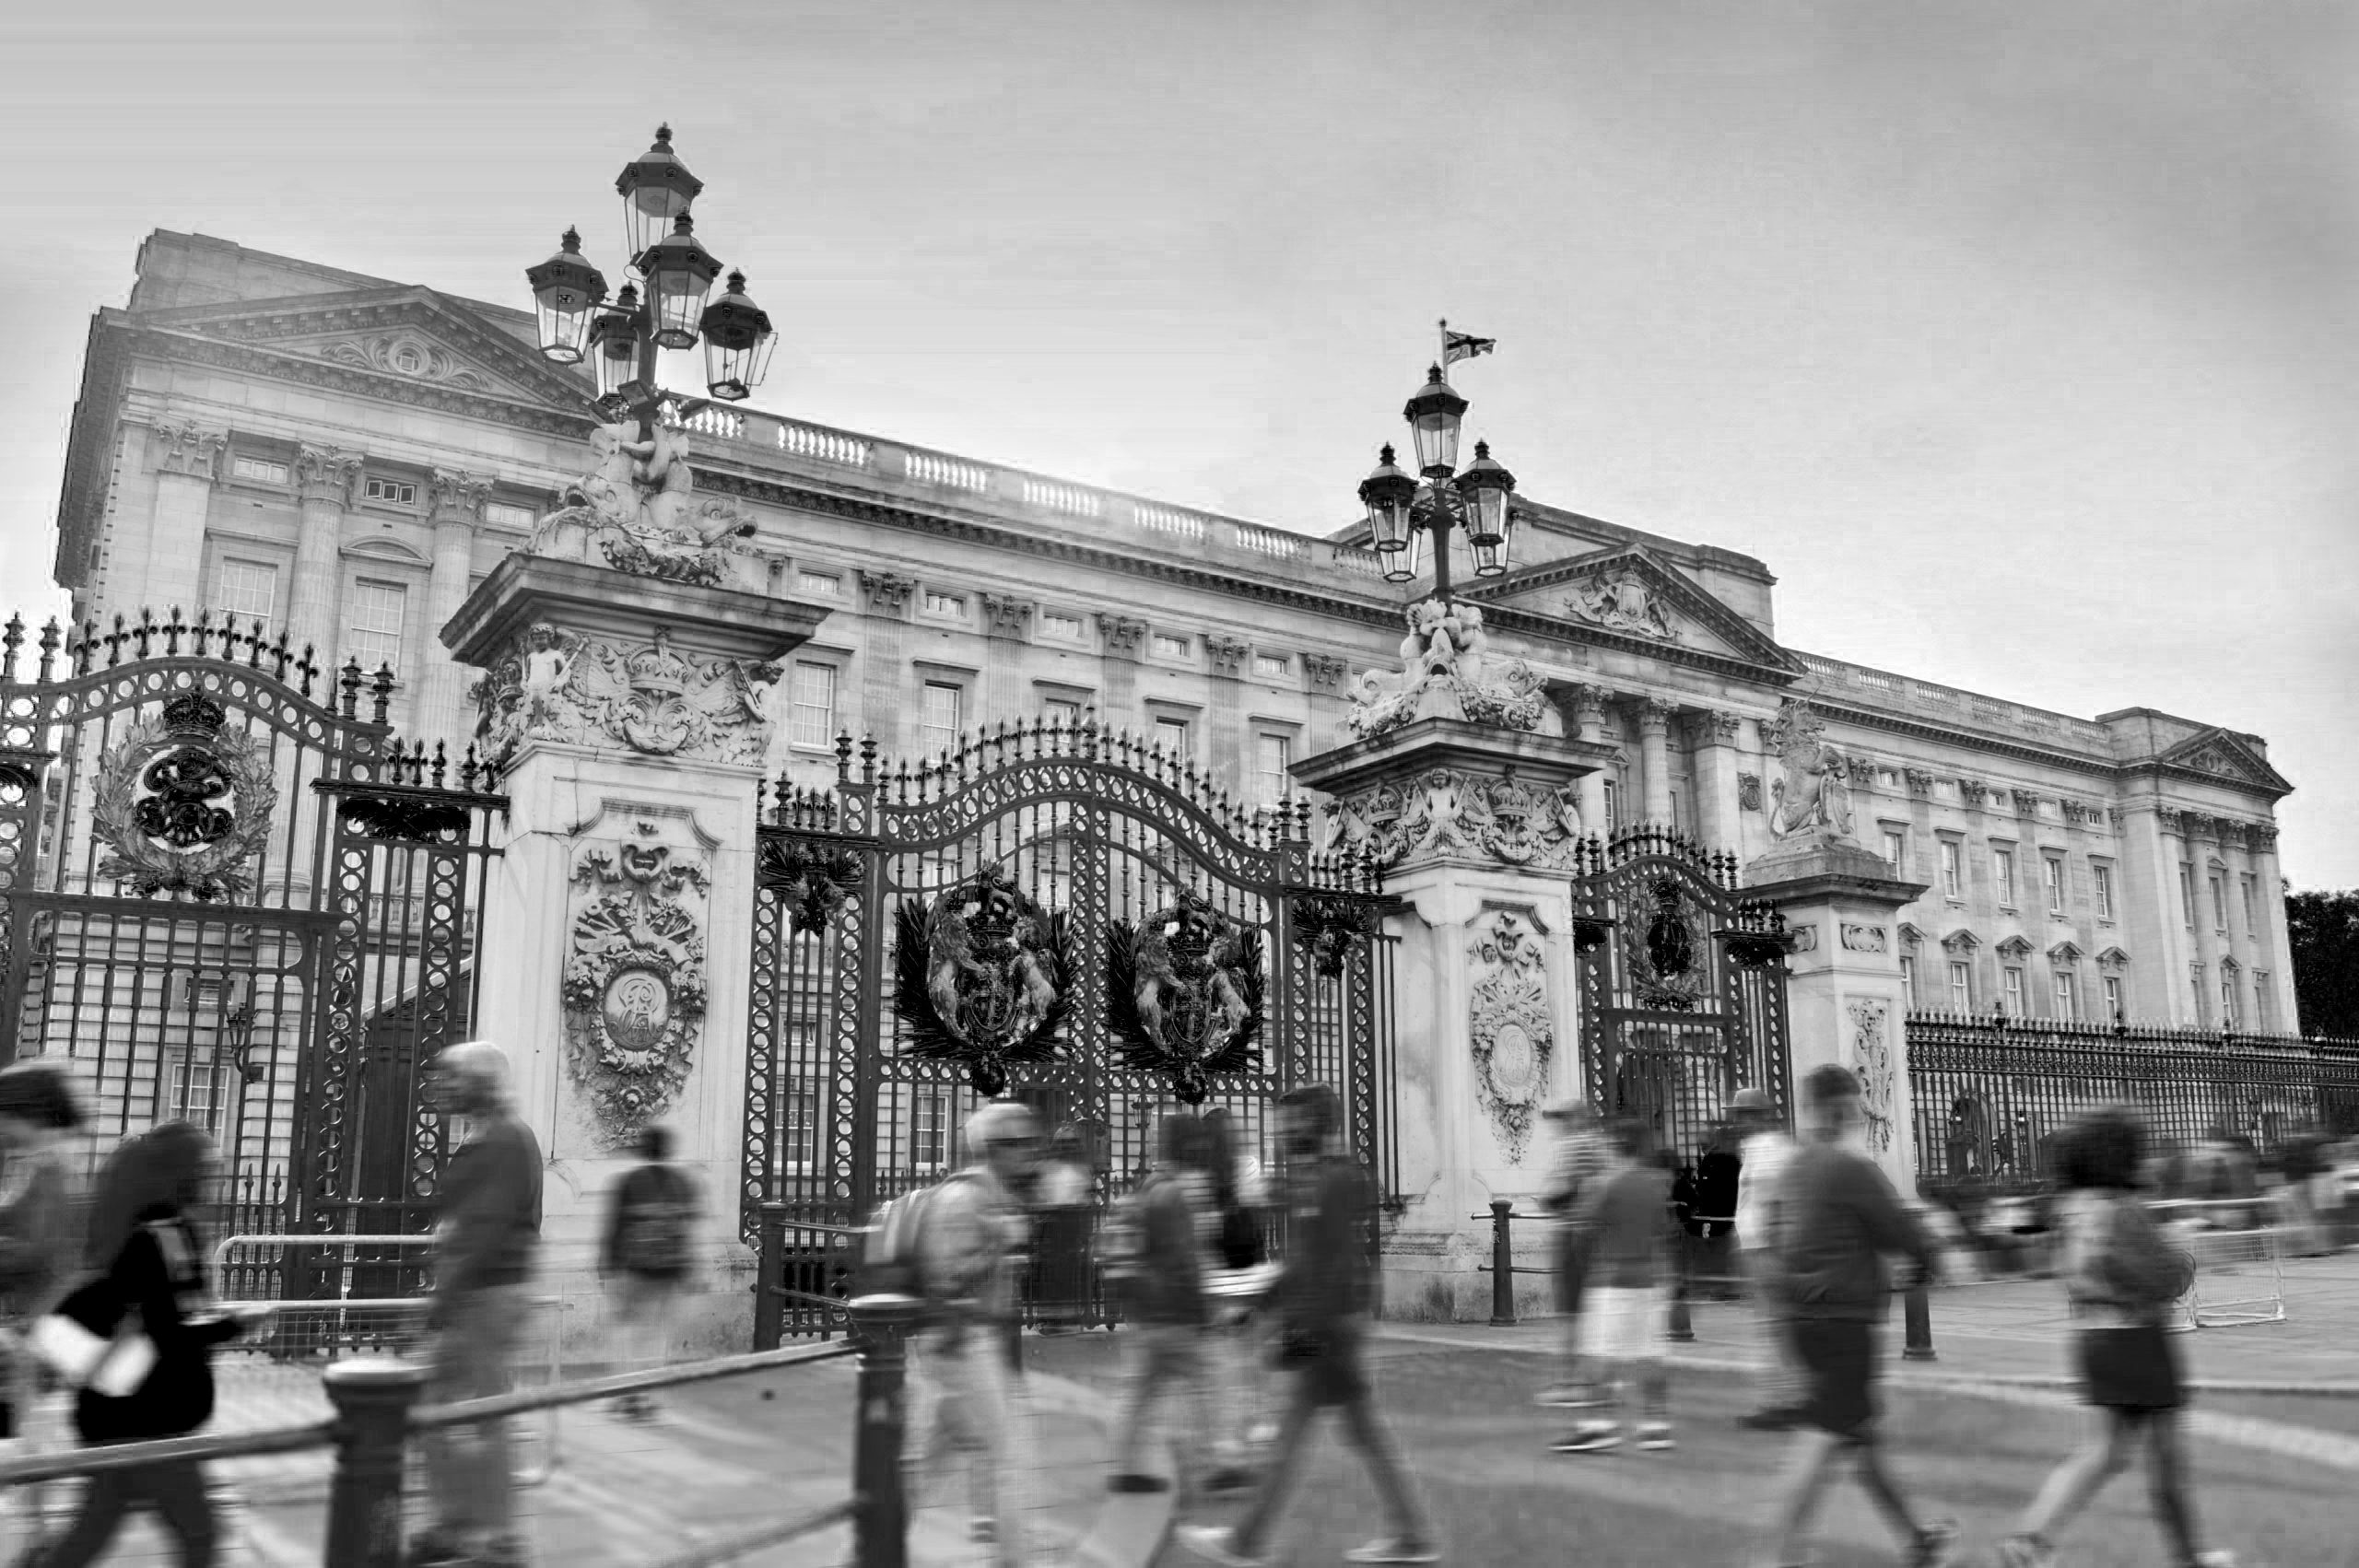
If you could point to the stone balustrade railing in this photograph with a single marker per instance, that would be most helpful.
(1880, 688)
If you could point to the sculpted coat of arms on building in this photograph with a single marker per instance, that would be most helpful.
(1813, 799)
(560, 685)
(639, 503)
(983, 977)
(1664, 946)
(1445, 811)
(634, 984)
(1512, 1027)
(1623, 602)
(1183, 994)
(183, 802)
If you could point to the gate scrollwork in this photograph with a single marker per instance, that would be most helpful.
(184, 802)
(1183, 994)
(983, 977)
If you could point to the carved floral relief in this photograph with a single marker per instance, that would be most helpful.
(634, 984)
(1511, 1025)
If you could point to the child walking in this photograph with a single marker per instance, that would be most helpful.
(1632, 1228)
(2120, 1277)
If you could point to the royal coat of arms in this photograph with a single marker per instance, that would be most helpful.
(183, 803)
(1183, 994)
(983, 977)
(634, 986)
(1664, 947)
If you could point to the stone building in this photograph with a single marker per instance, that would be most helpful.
(345, 459)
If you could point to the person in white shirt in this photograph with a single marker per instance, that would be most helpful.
(1765, 1150)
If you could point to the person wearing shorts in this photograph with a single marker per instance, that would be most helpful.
(1840, 1219)
(1633, 1229)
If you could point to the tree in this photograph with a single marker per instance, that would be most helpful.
(2324, 929)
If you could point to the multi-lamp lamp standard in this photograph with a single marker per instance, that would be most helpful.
(621, 340)
(1402, 510)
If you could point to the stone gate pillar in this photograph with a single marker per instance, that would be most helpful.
(634, 713)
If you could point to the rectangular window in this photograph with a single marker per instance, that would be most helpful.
(801, 1144)
(2067, 998)
(1171, 734)
(1895, 847)
(2103, 876)
(2002, 875)
(1057, 624)
(812, 705)
(395, 492)
(1952, 886)
(378, 611)
(819, 585)
(2186, 894)
(507, 514)
(2219, 903)
(193, 1094)
(1060, 712)
(2113, 998)
(2195, 984)
(2014, 983)
(2251, 929)
(1909, 982)
(1961, 988)
(261, 469)
(940, 604)
(2055, 866)
(941, 719)
(2228, 1000)
(2260, 1013)
(1272, 666)
(1273, 756)
(930, 1129)
(1169, 647)
(247, 589)
(1613, 807)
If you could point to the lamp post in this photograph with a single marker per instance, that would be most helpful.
(663, 307)
(1403, 508)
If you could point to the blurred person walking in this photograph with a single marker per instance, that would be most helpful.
(2121, 1278)
(1326, 1295)
(1580, 1159)
(970, 1246)
(487, 1232)
(1840, 1218)
(1163, 1289)
(1237, 1256)
(38, 1109)
(152, 1263)
(1764, 1153)
(1061, 1256)
(646, 1259)
(1635, 1231)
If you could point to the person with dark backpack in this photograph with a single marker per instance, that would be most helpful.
(645, 1262)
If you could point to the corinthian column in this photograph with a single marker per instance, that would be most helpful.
(1654, 751)
(2271, 945)
(161, 569)
(1716, 779)
(458, 510)
(1585, 709)
(327, 477)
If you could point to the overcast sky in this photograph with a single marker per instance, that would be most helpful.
(2021, 341)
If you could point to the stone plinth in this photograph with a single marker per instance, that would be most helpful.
(1844, 998)
(635, 716)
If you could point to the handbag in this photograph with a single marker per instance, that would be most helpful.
(116, 1365)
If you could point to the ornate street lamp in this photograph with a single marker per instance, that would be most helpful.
(1402, 509)
(669, 312)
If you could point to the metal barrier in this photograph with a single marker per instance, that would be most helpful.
(2221, 1248)
(377, 1413)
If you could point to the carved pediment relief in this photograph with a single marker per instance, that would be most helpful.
(1628, 592)
(2224, 756)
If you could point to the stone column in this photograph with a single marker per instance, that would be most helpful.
(888, 708)
(2277, 948)
(327, 477)
(1225, 715)
(1006, 622)
(162, 569)
(1587, 712)
(1124, 635)
(1654, 751)
(2206, 999)
(1714, 756)
(457, 500)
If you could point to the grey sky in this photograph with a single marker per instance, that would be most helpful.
(2021, 341)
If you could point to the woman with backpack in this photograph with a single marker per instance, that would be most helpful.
(151, 1285)
(645, 1260)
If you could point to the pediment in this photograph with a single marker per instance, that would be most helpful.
(1961, 941)
(1627, 594)
(2065, 953)
(2223, 755)
(2113, 958)
(1909, 935)
(400, 335)
(2014, 947)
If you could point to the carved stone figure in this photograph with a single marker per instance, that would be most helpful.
(1510, 1024)
(639, 503)
(634, 984)
(1445, 811)
(1871, 1060)
(1446, 656)
(559, 685)
(1623, 602)
(1813, 799)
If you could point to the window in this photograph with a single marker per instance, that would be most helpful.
(507, 514)
(394, 492)
(1169, 647)
(2113, 998)
(1063, 713)
(195, 1095)
(2245, 886)
(2186, 894)
(409, 359)
(1171, 735)
(2260, 999)
(819, 585)
(1895, 847)
(1909, 982)
(2219, 902)
(1057, 624)
(1272, 754)
(378, 609)
(2003, 875)
(248, 590)
(261, 469)
(1951, 887)
(940, 604)
(1272, 666)
(2195, 983)
(812, 705)
(2227, 998)
(801, 1144)
(2068, 997)
(2103, 876)
(941, 719)
(930, 1129)
(1961, 988)
(2055, 865)
(1613, 807)
(2013, 979)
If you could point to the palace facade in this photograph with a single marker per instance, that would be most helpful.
(343, 459)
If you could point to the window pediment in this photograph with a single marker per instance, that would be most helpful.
(2014, 947)
(1961, 942)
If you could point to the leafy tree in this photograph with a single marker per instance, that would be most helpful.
(2324, 928)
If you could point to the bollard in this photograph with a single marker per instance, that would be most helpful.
(881, 1520)
(1502, 1263)
(769, 1272)
(1917, 1311)
(373, 1398)
(1682, 1330)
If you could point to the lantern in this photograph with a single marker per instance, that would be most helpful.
(656, 188)
(1483, 491)
(567, 288)
(1402, 565)
(1433, 416)
(678, 271)
(737, 342)
(613, 343)
(1390, 497)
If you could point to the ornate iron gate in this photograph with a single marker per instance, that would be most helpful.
(227, 902)
(1080, 899)
(1682, 985)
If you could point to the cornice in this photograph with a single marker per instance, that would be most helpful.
(1893, 723)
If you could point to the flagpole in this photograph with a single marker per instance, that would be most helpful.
(1445, 348)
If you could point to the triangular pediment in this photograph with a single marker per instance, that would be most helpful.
(2065, 953)
(2014, 947)
(1961, 941)
(2223, 755)
(2113, 958)
(405, 336)
(1628, 595)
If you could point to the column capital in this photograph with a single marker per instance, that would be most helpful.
(184, 447)
(455, 495)
(2264, 838)
(1721, 726)
(1324, 671)
(886, 591)
(1123, 634)
(1007, 615)
(1227, 653)
(2171, 822)
(1655, 714)
(327, 473)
